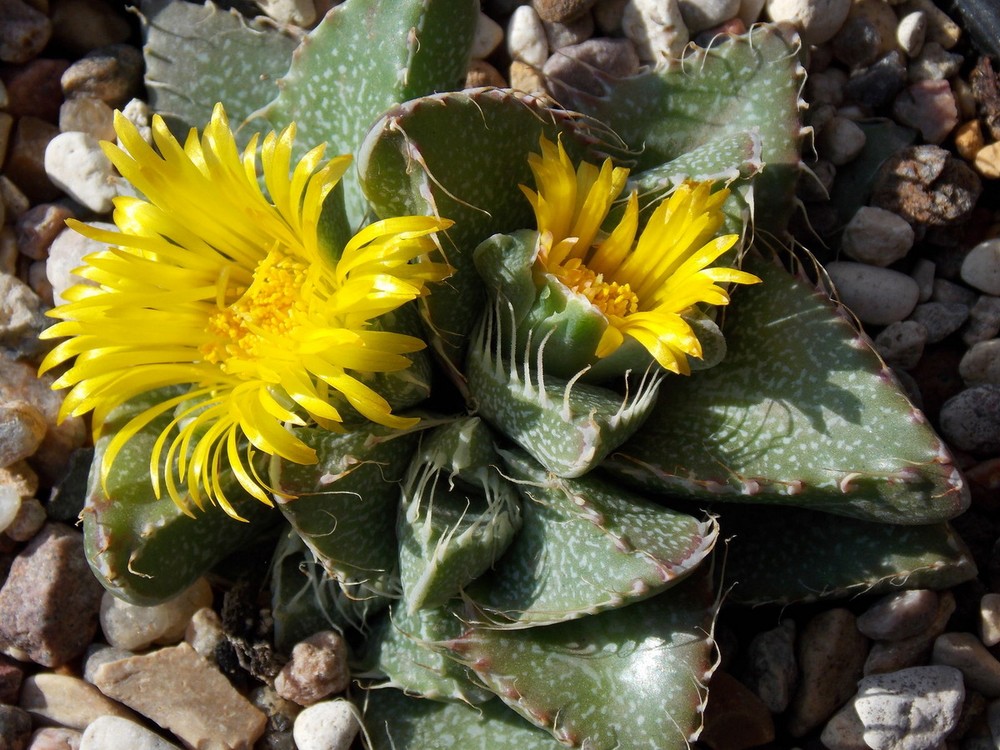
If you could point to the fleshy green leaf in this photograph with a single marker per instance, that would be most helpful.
(633, 677)
(145, 550)
(406, 648)
(197, 55)
(458, 514)
(586, 546)
(364, 57)
(345, 505)
(821, 556)
(395, 721)
(800, 412)
(749, 83)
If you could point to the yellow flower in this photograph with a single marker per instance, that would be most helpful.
(212, 285)
(642, 287)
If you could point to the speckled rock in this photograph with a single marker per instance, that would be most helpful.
(913, 709)
(330, 725)
(940, 319)
(49, 603)
(877, 237)
(970, 420)
(561, 11)
(11, 676)
(984, 320)
(817, 20)
(831, 655)
(772, 671)
(878, 296)
(317, 669)
(926, 185)
(22, 319)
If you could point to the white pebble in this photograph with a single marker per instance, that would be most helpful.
(989, 619)
(297, 12)
(912, 709)
(656, 28)
(131, 627)
(10, 504)
(981, 267)
(878, 296)
(330, 725)
(115, 733)
(137, 113)
(817, 20)
(526, 40)
(876, 236)
(981, 363)
(74, 162)
(487, 38)
(911, 32)
(66, 254)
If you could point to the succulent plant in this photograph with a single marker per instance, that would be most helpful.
(531, 561)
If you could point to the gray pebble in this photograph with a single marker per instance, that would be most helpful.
(970, 420)
(940, 319)
(966, 653)
(575, 66)
(840, 141)
(15, 727)
(700, 15)
(934, 64)
(981, 363)
(901, 344)
(878, 296)
(950, 292)
(857, 43)
(984, 320)
(656, 28)
(876, 236)
(22, 429)
(891, 656)
(773, 670)
(981, 267)
(567, 34)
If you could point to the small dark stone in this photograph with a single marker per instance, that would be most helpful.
(24, 31)
(970, 420)
(33, 89)
(986, 91)
(38, 226)
(561, 11)
(11, 676)
(112, 74)
(15, 728)
(877, 85)
(926, 185)
(857, 43)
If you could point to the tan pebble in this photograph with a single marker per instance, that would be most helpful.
(940, 28)
(524, 77)
(882, 17)
(969, 139)
(987, 161)
(481, 73)
(67, 701)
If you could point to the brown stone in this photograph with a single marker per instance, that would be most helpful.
(561, 11)
(112, 74)
(926, 185)
(969, 139)
(38, 226)
(183, 693)
(33, 89)
(67, 701)
(50, 601)
(481, 73)
(987, 161)
(80, 26)
(24, 31)
(735, 718)
(986, 90)
(26, 160)
(317, 669)
(11, 675)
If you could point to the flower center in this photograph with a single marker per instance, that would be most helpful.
(610, 297)
(262, 313)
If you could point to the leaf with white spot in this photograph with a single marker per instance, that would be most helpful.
(634, 677)
(800, 412)
(822, 556)
(395, 721)
(585, 546)
(364, 57)
(344, 506)
(197, 55)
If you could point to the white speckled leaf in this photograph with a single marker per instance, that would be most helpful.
(364, 57)
(585, 546)
(457, 516)
(395, 721)
(197, 55)
(145, 550)
(346, 504)
(404, 648)
(748, 83)
(822, 556)
(800, 412)
(630, 678)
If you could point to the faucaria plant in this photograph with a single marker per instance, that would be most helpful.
(494, 387)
